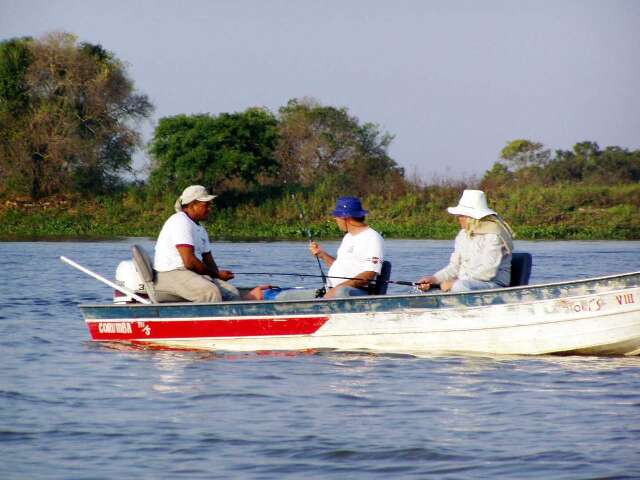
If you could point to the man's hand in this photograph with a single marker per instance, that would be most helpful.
(318, 252)
(331, 293)
(225, 275)
(425, 283)
(315, 249)
(446, 285)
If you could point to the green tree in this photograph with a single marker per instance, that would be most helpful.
(498, 176)
(66, 111)
(587, 162)
(618, 165)
(531, 164)
(572, 165)
(520, 153)
(15, 58)
(209, 149)
(325, 144)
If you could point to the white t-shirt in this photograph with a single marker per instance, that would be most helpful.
(179, 230)
(363, 252)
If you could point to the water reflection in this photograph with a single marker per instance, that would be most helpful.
(356, 373)
(169, 368)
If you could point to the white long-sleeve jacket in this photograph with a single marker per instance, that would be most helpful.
(478, 257)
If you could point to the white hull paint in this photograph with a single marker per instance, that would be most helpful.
(594, 321)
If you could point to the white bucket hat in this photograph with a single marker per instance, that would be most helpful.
(473, 203)
(191, 194)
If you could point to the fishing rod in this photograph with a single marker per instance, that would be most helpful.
(306, 227)
(397, 282)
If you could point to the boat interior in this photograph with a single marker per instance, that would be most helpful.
(521, 265)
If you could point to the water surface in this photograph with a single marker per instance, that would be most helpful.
(70, 408)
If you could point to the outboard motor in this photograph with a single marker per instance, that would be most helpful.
(127, 276)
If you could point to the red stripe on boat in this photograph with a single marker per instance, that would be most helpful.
(250, 327)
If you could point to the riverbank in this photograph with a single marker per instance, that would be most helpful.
(554, 213)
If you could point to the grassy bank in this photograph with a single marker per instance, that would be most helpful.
(579, 212)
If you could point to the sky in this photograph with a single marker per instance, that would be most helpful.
(453, 80)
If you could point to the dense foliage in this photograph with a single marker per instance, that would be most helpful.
(553, 212)
(207, 149)
(325, 146)
(523, 162)
(308, 145)
(65, 116)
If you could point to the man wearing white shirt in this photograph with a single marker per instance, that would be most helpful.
(183, 261)
(360, 255)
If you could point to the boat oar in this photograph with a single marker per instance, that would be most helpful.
(396, 282)
(124, 290)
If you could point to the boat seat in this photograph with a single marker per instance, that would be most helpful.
(520, 268)
(379, 287)
(144, 266)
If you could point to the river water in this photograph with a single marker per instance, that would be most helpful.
(73, 409)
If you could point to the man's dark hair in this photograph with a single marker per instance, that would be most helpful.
(359, 219)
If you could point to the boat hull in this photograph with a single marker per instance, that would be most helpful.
(588, 317)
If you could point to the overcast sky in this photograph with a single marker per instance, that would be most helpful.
(452, 80)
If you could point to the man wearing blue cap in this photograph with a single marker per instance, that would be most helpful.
(359, 256)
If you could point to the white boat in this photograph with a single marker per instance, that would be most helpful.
(595, 316)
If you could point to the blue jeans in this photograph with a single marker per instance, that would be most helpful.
(310, 294)
(342, 292)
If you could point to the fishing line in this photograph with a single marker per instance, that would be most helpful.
(397, 282)
(306, 227)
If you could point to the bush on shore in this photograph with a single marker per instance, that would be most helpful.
(554, 212)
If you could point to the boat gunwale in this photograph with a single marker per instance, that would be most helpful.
(408, 309)
(425, 295)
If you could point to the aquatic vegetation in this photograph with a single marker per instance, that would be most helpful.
(555, 212)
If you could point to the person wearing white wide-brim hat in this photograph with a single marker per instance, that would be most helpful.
(183, 260)
(482, 254)
(473, 203)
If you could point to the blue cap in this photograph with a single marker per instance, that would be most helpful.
(349, 207)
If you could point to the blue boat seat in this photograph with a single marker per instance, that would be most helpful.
(520, 268)
(379, 287)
